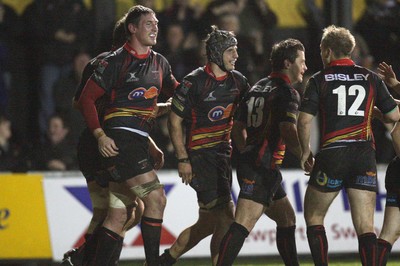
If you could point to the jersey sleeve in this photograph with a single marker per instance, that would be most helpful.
(290, 105)
(169, 83)
(384, 101)
(182, 99)
(87, 72)
(310, 101)
(106, 74)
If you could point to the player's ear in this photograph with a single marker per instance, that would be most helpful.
(132, 28)
(286, 64)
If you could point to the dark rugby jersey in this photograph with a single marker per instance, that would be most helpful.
(132, 83)
(269, 102)
(207, 105)
(345, 94)
(87, 72)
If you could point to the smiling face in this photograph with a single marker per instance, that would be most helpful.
(297, 68)
(230, 56)
(145, 33)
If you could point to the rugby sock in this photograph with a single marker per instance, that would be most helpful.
(107, 244)
(384, 249)
(231, 244)
(367, 248)
(286, 244)
(151, 233)
(90, 246)
(318, 244)
(117, 253)
(166, 259)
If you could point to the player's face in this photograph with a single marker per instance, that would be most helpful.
(146, 32)
(230, 56)
(297, 69)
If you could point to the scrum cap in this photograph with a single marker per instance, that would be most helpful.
(216, 44)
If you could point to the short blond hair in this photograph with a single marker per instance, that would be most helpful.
(339, 40)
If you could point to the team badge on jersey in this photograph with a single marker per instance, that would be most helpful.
(102, 66)
(185, 86)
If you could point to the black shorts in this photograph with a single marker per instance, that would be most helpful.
(349, 165)
(258, 183)
(392, 183)
(213, 176)
(90, 160)
(133, 155)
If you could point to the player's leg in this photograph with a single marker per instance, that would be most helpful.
(258, 186)
(316, 205)
(389, 234)
(281, 211)
(362, 203)
(246, 216)
(390, 231)
(190, 237)
(148, 188)
(120, 216)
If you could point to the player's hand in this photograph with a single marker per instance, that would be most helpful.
(307, 163)
(107, 146)
(158, 157)
(185, 172)
(386, 73)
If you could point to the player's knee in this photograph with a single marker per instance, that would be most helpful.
(153, 187)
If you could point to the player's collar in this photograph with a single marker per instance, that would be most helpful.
(208, 70)
(342, 62)
(281, 76)
(134, 53)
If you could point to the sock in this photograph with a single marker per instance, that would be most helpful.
(117, 252)
(231, 244)
(383, 252)
(78, 256)
(107, 244)
(286, 244)
(151, 233)
(318, 244)
(367, 244)
(166, 259)
(90, 246)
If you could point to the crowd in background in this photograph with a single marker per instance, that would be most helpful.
(44, 48)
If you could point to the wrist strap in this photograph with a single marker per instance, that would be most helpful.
(184, 160)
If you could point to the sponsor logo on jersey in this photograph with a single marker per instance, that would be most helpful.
(132, 77)
(177, 104)
(143, 93)
(220, 112)
(210, 97)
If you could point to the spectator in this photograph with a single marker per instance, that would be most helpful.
(67, 28)
(173, 49)
(380, 28)
(180, 12)
(64, 90)
(57, 153)
(13, 157)
(252, 59)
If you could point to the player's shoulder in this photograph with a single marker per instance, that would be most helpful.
(239, 75)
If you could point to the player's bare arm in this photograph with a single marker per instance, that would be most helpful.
(176, 134)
